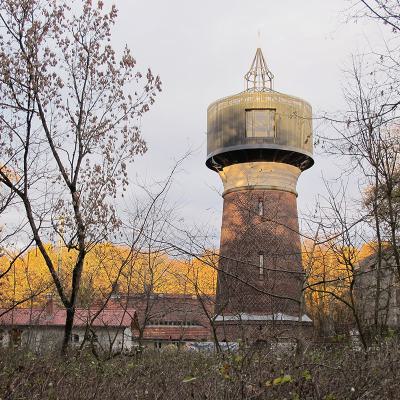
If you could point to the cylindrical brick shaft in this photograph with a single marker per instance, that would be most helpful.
(260, 270)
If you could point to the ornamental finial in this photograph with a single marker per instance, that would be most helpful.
(259, 78)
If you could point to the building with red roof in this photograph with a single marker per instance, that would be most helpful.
(151, 320)
(110, 328)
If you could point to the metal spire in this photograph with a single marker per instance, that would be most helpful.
(259, 78)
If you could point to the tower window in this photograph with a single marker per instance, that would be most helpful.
(261, 264)
(260, 207)
(260, 123)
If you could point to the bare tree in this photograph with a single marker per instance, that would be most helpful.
(69, 127)
(367, 135)
(334, 273)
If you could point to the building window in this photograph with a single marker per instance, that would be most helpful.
(260, 123)
(75, 338)
(89, 336)
(155, 322)
(16, 337)
(261, 264)
(260, 207)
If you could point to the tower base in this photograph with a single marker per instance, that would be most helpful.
(253, 331)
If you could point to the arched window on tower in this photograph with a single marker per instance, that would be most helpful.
(261, 264)
(260, 207)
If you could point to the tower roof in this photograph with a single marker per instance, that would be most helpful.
(259, 78)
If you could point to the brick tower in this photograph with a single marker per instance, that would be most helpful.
(259, 141)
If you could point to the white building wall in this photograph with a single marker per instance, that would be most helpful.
(41, 338)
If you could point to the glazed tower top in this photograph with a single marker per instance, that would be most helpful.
(259, 124)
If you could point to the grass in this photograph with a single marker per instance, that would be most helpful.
(329, 373)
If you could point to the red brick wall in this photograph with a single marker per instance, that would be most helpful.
(244, 235)
(167, 308)
(251, 332)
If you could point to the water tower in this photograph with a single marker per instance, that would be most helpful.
(259, 141)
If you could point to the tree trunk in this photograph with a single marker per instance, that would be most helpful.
(69, 322)
(379, 255)
(215, 336)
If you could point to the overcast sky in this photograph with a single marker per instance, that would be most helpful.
(202, 49)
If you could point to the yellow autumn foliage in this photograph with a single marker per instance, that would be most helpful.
(330, 271)
(105, 265)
